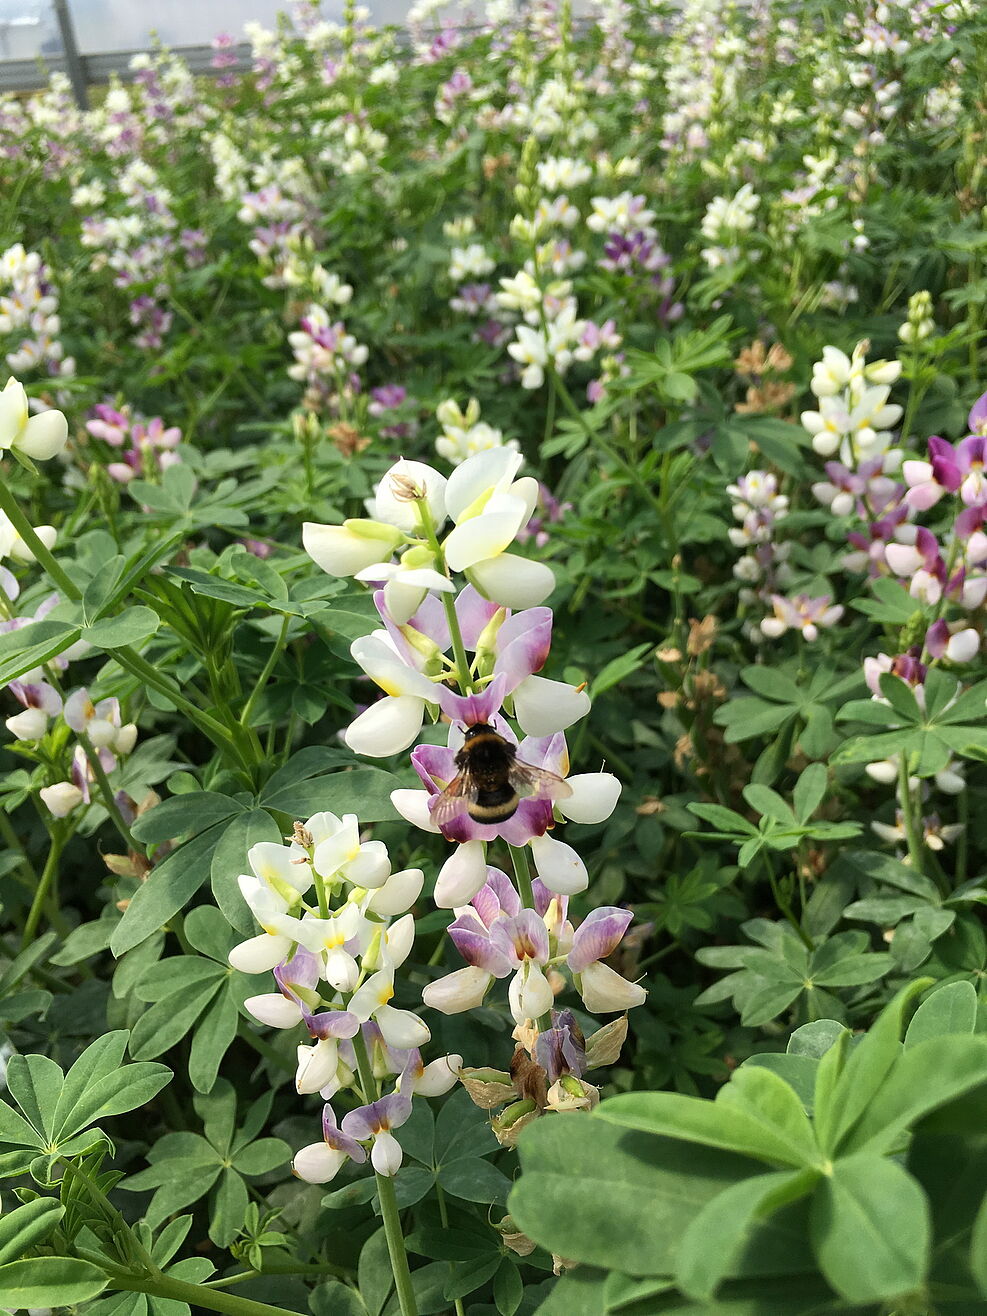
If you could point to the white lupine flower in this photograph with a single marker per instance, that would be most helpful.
(41, 436)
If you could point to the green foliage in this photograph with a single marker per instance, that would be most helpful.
(682, 1197)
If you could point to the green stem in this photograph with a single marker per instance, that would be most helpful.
(915, 848)
(196, 1295)
(785, 907)
(386, 1197)
(265, 675)
(106, 790)
(44, 883)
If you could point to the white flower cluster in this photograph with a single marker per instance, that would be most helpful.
(464, 434)
(29, 308)
(354, 945)
(725, 221)
(854, 417)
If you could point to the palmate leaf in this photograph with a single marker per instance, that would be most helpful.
(58, 1109)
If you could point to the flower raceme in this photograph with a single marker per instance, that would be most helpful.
(488, 507)
(499, 938)
(334, 962)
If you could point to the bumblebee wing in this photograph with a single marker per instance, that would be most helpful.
(454, 800)
(537, 783)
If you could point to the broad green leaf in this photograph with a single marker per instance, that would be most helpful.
(35, 1083)
(854, 970)
(33, 645)
(336, 1299)
(810, 791)
(184, 815)
(212, 1039)
(49, 1282)
(178, 973)
(168, 889)
(25, 1226)
(772, 1102)
(713, 1123)
(474, 1180)
(716, 1236)
(866, 1069)
(951, 1008)
(15, 1130)
(262, 1156)
(870, 1229)
(508, 1288)
(798, 1071)
(815, 1039)
(726, 820)
(128, 627)
(766, 1004)
(128, 1088)
(468, 1276)
(883, 868)
(374, 1273)
(927, 1075)
(228, 1207)
(770, 804)
(623, 1200)
(364, 791)
(901, 697)
(167, 1022)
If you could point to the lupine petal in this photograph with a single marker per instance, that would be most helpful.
(459, 991)
(543, 707)
(598, 935)
(523, 643)
(605, 992)
(317, 1163)
(413, 806)
(273, 1009)
(513, 581)
(483, 472)
(386, 727)
(316, 1066)
(386, 669)
(343, 550)
(386, 1155)
(402, 1028)
(43, 436)
(400, 891)
(559, 866)
(461, 876)
(593, 799)
(530, 994)
(391, 506)
(259, 954)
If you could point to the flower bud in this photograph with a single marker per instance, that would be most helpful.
(61, 798)
(29, 725)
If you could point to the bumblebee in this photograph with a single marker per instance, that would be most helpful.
(492, 780)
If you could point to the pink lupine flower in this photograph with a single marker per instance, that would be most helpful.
(801, 613)
(322, 1161)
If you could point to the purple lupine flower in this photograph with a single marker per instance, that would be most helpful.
(376, 1120)
(561, 1050)
(322, 1161)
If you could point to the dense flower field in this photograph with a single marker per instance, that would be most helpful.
(493, 568)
